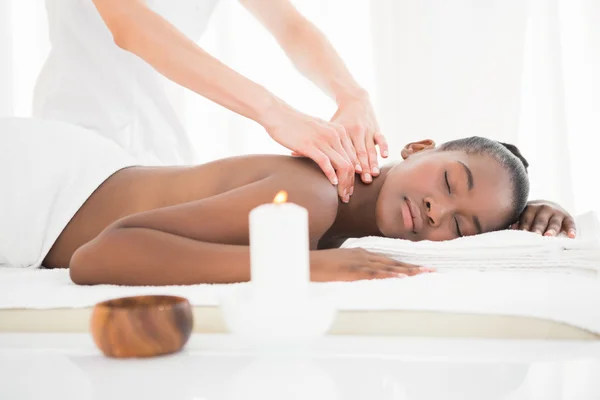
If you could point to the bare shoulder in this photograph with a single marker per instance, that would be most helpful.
(301, 178)
(309, 187)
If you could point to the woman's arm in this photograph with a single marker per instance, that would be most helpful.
(205, 241)
(309, 50)
(314, 56)
(139, 30)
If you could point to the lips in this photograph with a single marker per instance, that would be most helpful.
(411, 216)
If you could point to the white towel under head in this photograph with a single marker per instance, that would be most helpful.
(501, 250)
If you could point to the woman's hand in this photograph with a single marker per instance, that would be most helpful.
(356, 115)
(547, 218)
(357, 264)
(324, 142)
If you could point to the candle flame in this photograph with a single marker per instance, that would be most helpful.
(281, 197)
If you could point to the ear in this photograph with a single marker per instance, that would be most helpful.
(416, 147)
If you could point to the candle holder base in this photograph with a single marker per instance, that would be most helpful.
(277, 323)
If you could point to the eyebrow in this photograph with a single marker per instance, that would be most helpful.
(469, 175)
(477, 224)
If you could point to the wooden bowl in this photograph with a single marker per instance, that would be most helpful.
(142, 326)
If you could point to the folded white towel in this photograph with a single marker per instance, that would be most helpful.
(502, 250)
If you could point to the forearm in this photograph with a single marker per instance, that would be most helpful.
(139, 30)
(314, 56)
(141, 256)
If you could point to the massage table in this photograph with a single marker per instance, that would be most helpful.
(464, 305)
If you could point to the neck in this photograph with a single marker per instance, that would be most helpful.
(357, 218)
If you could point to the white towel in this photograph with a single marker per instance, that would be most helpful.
(556, 296)
(502, 250)
(48, 169)
(570, 299)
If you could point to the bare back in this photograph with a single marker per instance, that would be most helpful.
(137, 189)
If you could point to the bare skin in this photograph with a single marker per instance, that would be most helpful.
(187, 225)
(160, 204)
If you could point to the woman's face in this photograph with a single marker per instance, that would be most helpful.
(441, 195)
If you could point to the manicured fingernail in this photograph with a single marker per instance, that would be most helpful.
(345, 192)
(358, 169)
(384, 153)
(538, 231)
(571, 233)
(550, 232)
(401, 275)
(351, 190)
(367, 177)
(375, 171)
(335, 181)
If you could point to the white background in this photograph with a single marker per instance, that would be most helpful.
(520, 71)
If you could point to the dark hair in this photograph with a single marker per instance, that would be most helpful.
(509, 157)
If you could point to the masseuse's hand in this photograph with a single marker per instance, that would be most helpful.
(547, 218)
(325, 143)
(357, 264)
(356, 115)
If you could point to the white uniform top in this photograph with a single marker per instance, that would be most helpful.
(48, 169)
(89, 81)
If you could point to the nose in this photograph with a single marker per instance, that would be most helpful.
(435, 211)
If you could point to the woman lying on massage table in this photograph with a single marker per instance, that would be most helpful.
(113, 222)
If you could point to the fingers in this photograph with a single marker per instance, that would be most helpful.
(372, 153)
(342, 162)
(363, 158)
(369, 265)
(350, 150)
(568, 226)
(380, 266)
(554, 226)
(376, 273)
(527, 217)
(540, 221)
(547, 221)
(398, 266)
(382, 143)
(525, 221)
(385, 271)
(333, 158)
(324, 163)
(345, 172)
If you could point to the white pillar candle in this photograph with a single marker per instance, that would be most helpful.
(279, 250)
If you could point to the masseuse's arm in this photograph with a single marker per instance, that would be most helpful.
(314, 56)
(139, 30)
(206, 241)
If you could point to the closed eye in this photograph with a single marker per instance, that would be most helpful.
(458, 228)
(447, 183)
